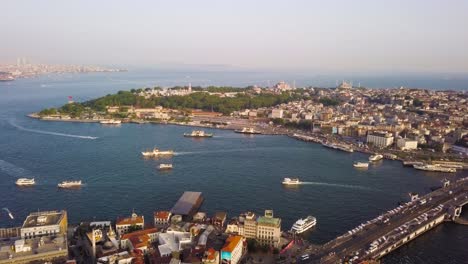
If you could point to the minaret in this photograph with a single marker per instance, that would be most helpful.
(190, 87)
(94, 243)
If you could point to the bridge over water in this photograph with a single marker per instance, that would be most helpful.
(385, 233)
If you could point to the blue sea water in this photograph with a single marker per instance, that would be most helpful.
(236, 173)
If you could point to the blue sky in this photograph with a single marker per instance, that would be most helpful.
(333, 36)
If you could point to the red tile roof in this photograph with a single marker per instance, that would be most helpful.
(130, 220)
(211, 254)
(139, 238)
(140, 233)
(231, 243)
(162, 214)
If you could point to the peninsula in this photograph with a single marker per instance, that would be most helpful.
(413, 125)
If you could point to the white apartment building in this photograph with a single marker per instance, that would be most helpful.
(407, 144)
(380, 139)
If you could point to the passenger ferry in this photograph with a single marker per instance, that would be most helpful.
(247, 130)
(302, 225)
(9, 213)
(70, 184)
(110, 122)
(361, 164)
(375, 157)
(428, 167)
(165, 167)
(156, 152)
(291, 181)
(25, 182)
(198, 133)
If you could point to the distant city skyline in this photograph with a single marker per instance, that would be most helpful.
(333, 36)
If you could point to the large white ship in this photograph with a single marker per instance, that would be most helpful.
(25, 182)
(291, 181)
(428, 167)
(375, 157)
(156, 152)
(198, 133)
(110, 122)
(247, 130)
(69, 184)
(302, 225)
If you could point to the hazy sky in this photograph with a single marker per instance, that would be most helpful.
(348, 35)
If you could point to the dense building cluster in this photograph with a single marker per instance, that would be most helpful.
(25, 69)
(402, 118)
(182, 234)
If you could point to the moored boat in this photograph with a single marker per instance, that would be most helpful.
(437, 168)
(375, 157)
(165, 166)
(110, 122)
(70, 184)
(247, 130)
(302, 225)
(291, 181)
(156, 152)
(361, 164)
(25, 182)
(198, 133)
(411, 163)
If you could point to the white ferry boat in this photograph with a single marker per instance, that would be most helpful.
(70, 184)
(375, 157)
(361, 164)
(9, 213)
(291, 181)
(247, 130)
(428, 167)
(110, 122)
(302, 225)
(156, 152)
(165, 166)
(198, 133)
(25, 182)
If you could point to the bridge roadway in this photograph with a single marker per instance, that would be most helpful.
(346, 246)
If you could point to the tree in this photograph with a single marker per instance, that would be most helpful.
(252, 245)
(417, 102)
(133, 228)
(48, 111)
(327, 101)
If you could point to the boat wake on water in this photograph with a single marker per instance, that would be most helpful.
(50, 133)
(357, 187)
(13, 170)
(9, 213)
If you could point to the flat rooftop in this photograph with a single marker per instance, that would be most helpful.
(188, 203)
(271, 221)
(44, 218)
(50, 247)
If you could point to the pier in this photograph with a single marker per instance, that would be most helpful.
(380, 236)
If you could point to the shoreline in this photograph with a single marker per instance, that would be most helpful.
(272, 132)
(141, 122)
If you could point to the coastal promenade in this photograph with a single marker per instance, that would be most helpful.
(385, 233)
